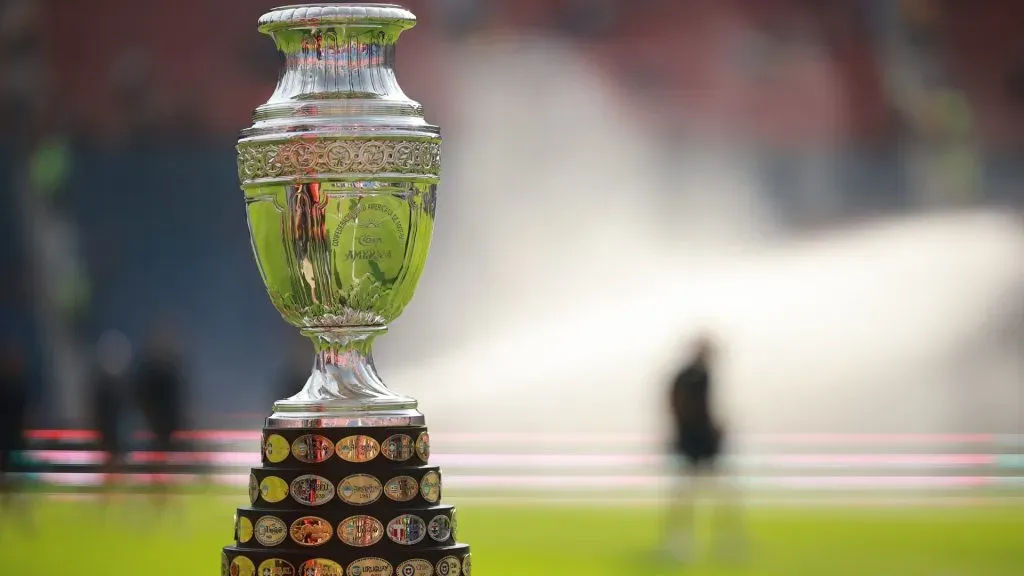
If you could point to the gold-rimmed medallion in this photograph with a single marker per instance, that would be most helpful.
(369, 567)
(311, 490)
(244, 529)
(242, 566)
(275, 567)
(270, 531)
(423, 446)
(415, 567)
(357, 449)
(360, 530)
(320, 567)
(275, 448)
(311, 531)
(397, 447)
(430, 487)
(312, 449)
(273, 489)
(401, 488)
(448, 566)
(407, 529)
(359, 489)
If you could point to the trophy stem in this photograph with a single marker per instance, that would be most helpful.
(344, 388)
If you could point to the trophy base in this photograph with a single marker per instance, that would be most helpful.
(346, 500)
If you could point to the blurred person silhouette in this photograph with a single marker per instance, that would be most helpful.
(13, 411)
(113, 355)
(160, 386)
(699, 438)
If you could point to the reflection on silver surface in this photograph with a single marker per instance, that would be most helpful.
(340, 173)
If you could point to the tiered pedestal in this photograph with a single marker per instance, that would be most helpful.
(354, 501)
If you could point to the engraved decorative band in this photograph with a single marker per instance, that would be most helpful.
(447, 561)
(279, 488)
(400, 446)
(310, 529)
(315, 156)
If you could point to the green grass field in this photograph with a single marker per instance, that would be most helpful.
(132, 537)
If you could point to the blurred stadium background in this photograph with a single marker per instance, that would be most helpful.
(833, 188)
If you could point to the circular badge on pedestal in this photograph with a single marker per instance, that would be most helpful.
(398, 448)
(242, 566)
(440, 528)
(273, 489)
(407, 529)
(225, 566)
(276, 448)
(311, 531)
(415, 567)
(369, 567)
(275, 567)
(254, 488)
(455, 523)
(423, 446)
(244, 529)
(270, 531)
(360, 530)
(320, 567)
(467, 565)
(357, 449)
(401, 488)
(359, 489)
(312, 490)
(312, 449)
(448, 566)
(430, 487)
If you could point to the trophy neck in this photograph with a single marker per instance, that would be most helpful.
(339, 65)
(344, 388)
(339, 62)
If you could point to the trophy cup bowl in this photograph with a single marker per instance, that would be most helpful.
(339, 171)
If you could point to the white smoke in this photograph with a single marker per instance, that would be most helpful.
(557, 298)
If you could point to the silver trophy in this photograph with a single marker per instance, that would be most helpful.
(340, 172)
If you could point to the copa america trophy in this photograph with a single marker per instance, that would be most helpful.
(339, 171)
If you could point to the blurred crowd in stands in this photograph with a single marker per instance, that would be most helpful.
(783, 72)
(935, 86)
